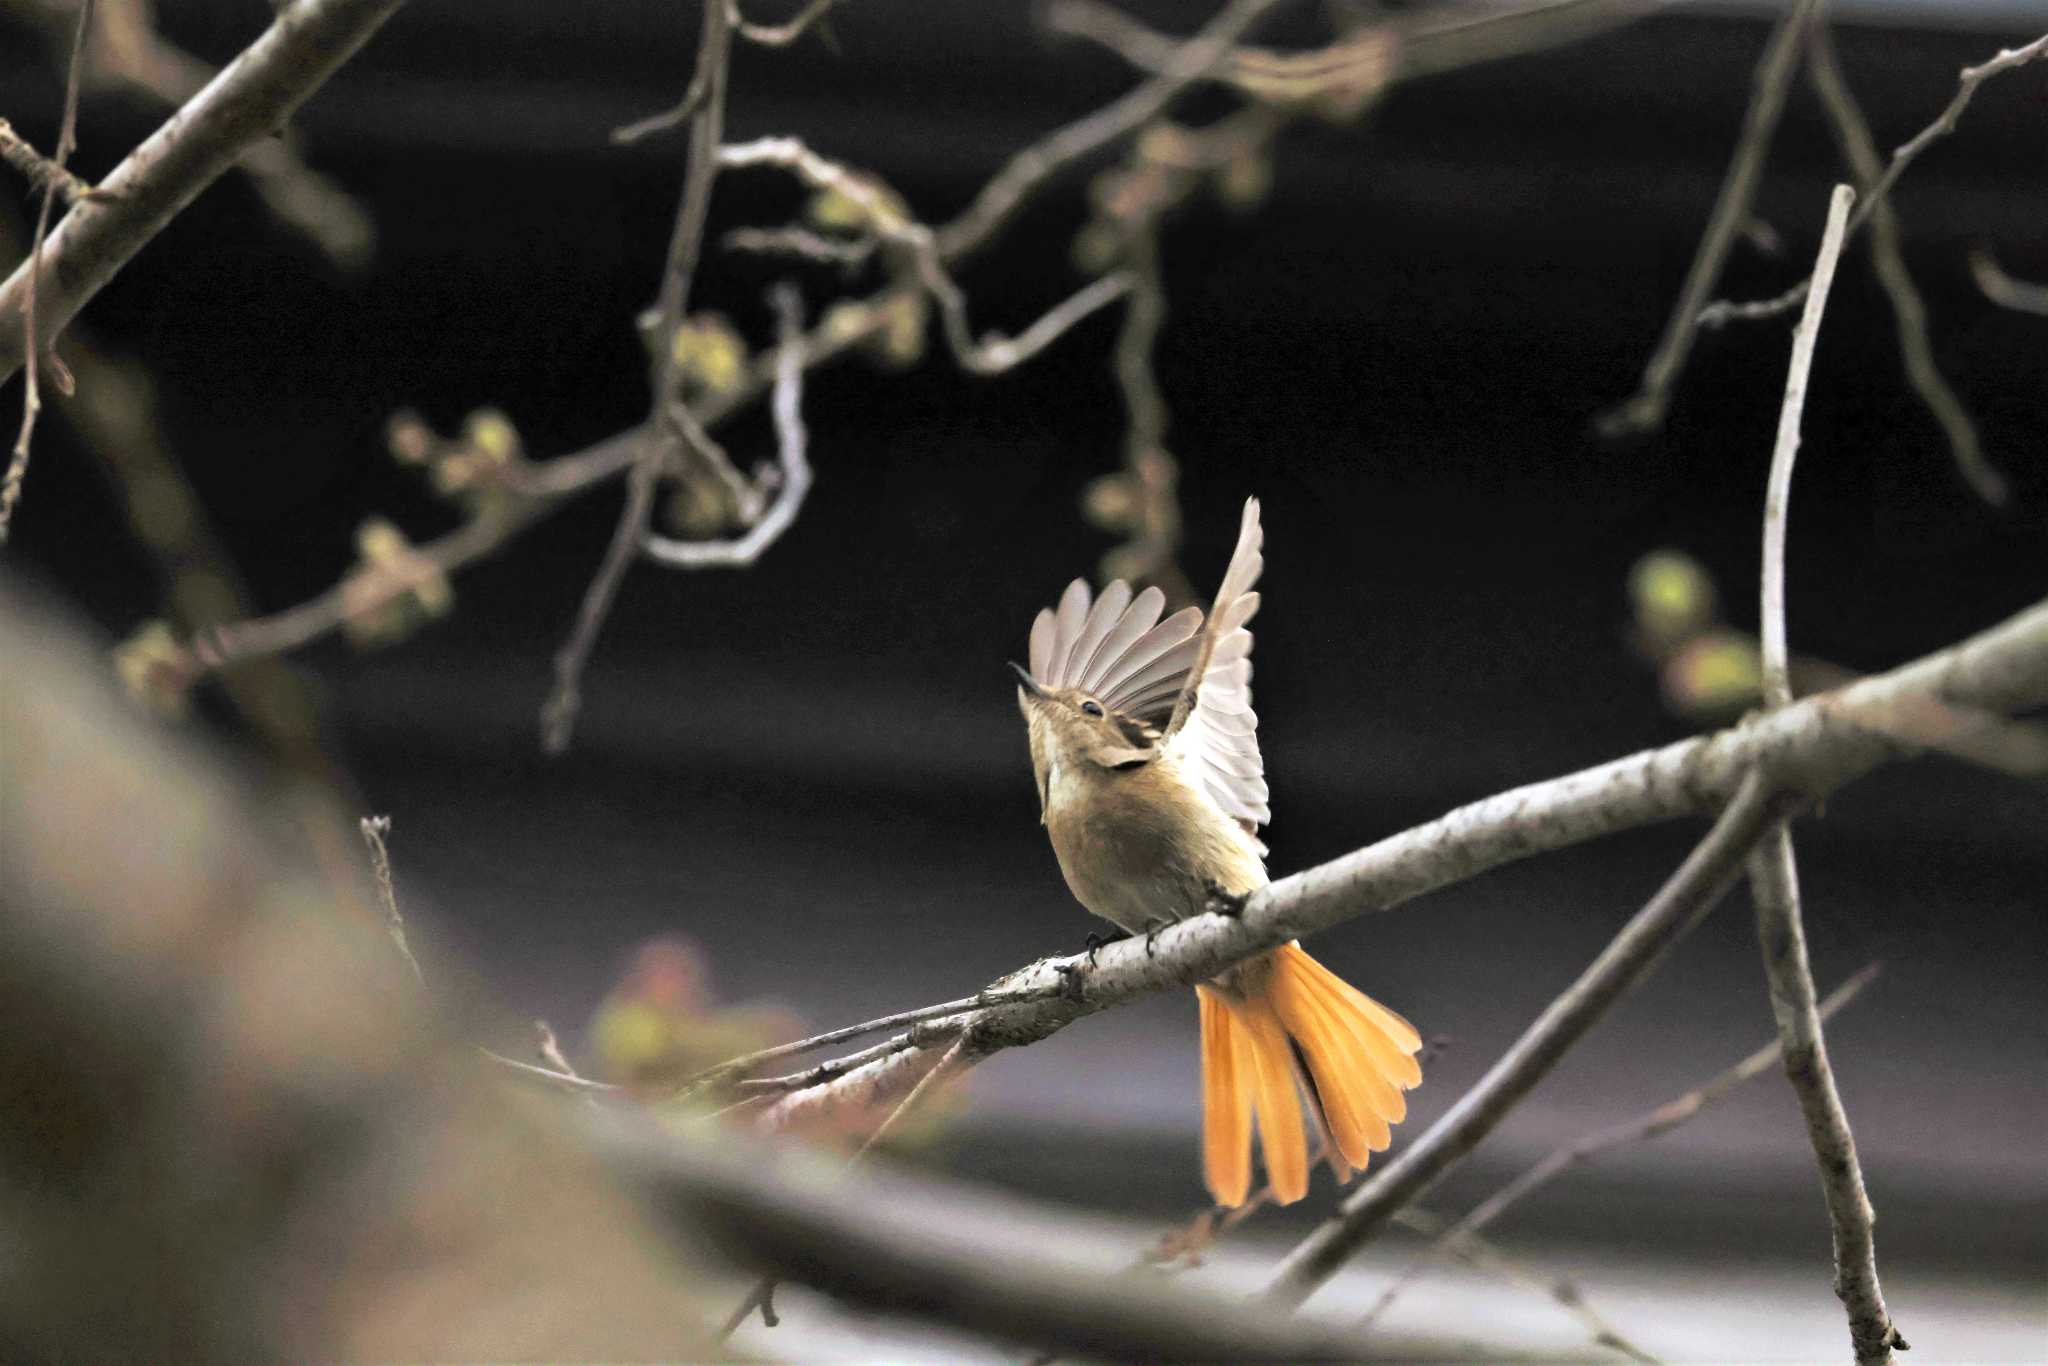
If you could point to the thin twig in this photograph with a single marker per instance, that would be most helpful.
(707, 130)
(839, 1067)
(374, 829)
(956, 1058)
(1888, 258)
(1562, 1291)
(1645, 411)
(32, 343)
(782, 35)
(793, 464)
(1030, 168)
(987, 356)
(1777, 677)
(2020, 295)
(568, 1080)
(250, 99)
(1682, 902)
(41, 172)
(1651, 1124)
(1774, 879)
(986, 1000)
(1725, 311)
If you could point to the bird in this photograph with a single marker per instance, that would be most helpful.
(1151, 786)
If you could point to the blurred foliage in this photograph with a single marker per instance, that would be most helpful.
(663, 1024)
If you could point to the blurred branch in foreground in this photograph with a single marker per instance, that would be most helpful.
(234, 1131)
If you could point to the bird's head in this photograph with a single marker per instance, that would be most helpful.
(1072, 727)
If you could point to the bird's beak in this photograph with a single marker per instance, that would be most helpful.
(1026, 681)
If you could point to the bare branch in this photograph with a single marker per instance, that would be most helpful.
(1028, 169)
(41, 172)
(1652, 1124)
(2003, 290)
(686, 243)
(33, 345)
(1645, 411)
(1349, 72)
(1916, 349)
(1774, 885)
(374, 829)
(955, 1059)
(1814, 745)
(984, 1000)
(1681, 903)
(1777, 679)
(793, 463)
(943, 1252)
(565, 700)
(1478, 1253)
(250, 98)
(1774, 881)
(988, 356)
(1725, 311)
(782, 35)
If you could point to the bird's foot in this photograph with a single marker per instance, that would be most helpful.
(1221, 902)
(1152, 935)
(1096, 941)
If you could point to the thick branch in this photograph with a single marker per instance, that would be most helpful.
(944, 1252)
(246, 103)
(1814, 745)
(1682, 902)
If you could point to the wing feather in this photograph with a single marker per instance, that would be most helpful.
(1214, 730)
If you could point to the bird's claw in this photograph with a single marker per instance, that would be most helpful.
(1220, 902)
(1096, 941)
(1152, 936)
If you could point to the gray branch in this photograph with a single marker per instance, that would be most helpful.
(247, 102)
(1681, 903)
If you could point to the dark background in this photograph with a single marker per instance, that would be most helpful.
(814, 768)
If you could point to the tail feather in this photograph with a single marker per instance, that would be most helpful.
(1226, 1104)
(1300, 1030)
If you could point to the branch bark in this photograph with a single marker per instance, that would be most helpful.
(1681, 903)
(244, 104)
(1774, 880)
(1818, 743)
(1645, 411)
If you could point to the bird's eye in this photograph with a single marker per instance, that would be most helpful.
(1092, 708)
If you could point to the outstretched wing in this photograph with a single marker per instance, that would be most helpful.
(1116, 648)
(1213, 729)
(1195, 683)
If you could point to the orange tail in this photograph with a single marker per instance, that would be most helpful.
(1358, 1055)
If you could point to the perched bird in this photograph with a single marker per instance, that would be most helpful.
(1151, 786)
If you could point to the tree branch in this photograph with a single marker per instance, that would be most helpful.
(1888, 258)
(2020, 295)
(1025, 171)
(244, 104)
(947, 1253)
(1649, 1125)
(1645, 411)
(1818, 743)
(1681, 903)
(1777, 678)
(1774, 880)
(35, 344)
(1724, 311)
